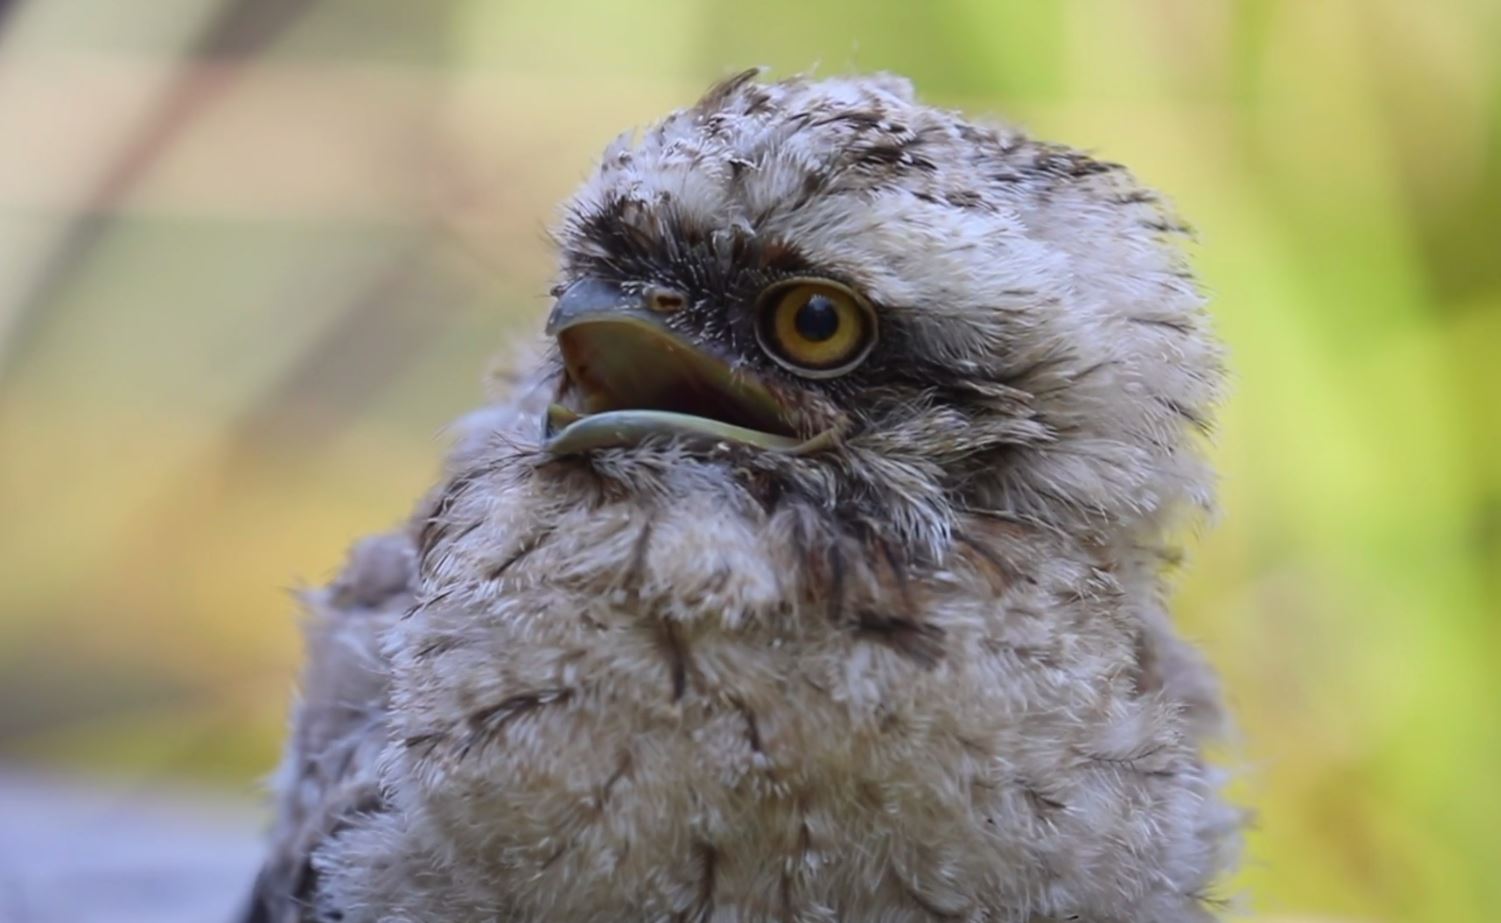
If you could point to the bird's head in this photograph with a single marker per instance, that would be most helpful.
(827, 294)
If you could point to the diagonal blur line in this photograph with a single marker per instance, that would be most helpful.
(246, 27)
(240, 29)
(388, 323)
(379, 332)
(7, 7)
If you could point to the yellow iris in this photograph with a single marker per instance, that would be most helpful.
(816, 327)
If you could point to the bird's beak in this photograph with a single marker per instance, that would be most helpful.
(629, 377)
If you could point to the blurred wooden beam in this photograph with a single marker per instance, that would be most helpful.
(239, 29)
(306, 141)
(7, 7)
(379, 331)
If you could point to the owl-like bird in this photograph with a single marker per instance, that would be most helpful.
(815, 574)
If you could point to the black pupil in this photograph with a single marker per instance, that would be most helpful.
(817, 319)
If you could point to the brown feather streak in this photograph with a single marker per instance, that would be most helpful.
(675, 649)
(635, 573)
(1176, 326)
(490, 720)
(997, 565)
(1131, 763)
(525, 548)
(752, 726)
(918, 640)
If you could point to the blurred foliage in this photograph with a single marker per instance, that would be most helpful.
(253, 253)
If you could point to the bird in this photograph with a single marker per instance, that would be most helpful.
(816, 569)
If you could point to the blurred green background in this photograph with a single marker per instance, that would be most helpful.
(255, 253)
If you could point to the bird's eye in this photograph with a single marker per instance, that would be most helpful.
(815, 327)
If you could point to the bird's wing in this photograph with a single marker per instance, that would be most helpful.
(328, 768)
(327, 773)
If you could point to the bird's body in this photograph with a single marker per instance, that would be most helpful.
(864, 627)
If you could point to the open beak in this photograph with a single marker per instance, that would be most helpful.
(628, 378)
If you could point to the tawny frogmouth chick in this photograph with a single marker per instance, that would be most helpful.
(816, 574)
